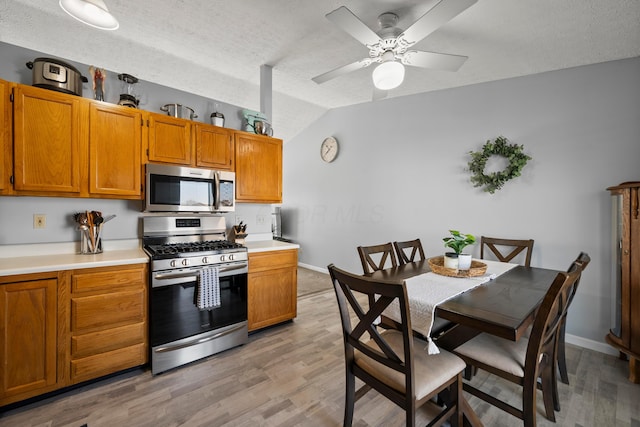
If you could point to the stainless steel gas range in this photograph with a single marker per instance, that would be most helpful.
(186, 252)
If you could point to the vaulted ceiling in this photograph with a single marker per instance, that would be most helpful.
(215, 48)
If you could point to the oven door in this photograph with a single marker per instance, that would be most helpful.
(174, 314)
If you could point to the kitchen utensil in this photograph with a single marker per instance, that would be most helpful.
(262, 127)
(128, 99)
(217, 119)
(53, 74)
(179, 111)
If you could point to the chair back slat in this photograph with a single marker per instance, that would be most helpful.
(506, 250)
(548, 319)
(384, 251)
(346, 286)
(415, 246)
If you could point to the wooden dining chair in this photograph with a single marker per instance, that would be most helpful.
(402, 250)
(392, 362)
(507, 249)
(581, 262)
(524, 361)
(384, 252)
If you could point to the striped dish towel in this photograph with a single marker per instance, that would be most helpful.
(208, 289)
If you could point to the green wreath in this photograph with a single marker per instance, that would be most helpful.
(495, 180)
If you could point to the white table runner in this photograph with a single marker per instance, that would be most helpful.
(428, 290)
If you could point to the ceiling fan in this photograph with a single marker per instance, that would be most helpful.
(390, 46)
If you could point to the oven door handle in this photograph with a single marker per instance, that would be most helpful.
(198, 341)
(192, 275)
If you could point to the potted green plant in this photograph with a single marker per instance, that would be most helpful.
(458, 241)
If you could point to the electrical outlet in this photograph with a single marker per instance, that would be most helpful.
(260, 219)
(39, 221)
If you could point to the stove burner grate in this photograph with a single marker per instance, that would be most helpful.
(206, 246)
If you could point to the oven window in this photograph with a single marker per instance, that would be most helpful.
(177, 191)
(174, 314)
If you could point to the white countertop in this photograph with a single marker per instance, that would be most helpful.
(269, 245)
(26, 259)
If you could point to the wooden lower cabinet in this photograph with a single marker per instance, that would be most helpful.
(32, 335)
(63, 328)
(108, 320)
(272, 287)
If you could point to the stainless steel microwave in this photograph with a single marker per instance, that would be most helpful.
(184, 189)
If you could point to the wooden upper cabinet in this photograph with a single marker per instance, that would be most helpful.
(6, 165)
(115, 141)
(258, 168)
(169, 140)
(214, 147)
(47, 141)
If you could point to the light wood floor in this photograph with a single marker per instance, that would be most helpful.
(292, 375)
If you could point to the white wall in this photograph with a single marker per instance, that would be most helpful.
(400, 173)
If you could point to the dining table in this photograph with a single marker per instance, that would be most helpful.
(503, 304)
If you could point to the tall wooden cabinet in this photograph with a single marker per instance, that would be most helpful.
(625, 334)
(258, 168)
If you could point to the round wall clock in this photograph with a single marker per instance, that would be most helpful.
(329, 149)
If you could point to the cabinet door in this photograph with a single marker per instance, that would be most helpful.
(28, 326)
(115, 141)
(6, 165)
(169, 140)
(47, 141)
(258, 168)
(272, 288)
(214, 147)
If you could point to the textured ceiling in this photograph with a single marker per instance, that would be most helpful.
(215, 48)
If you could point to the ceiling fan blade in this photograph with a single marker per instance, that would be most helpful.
(437, 16)
(342, 70)
(350, 23)
(436, 61)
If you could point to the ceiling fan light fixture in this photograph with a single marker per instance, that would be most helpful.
(388, 75)
(91, 12)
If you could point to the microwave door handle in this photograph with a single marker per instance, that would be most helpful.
(216, 203)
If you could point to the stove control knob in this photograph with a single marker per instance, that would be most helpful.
(185, 262)
(222, 258)
(231, 258)
(173, 263)
(205, 260)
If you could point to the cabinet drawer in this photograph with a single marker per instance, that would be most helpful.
(107, 340)
(107, 280)
(107, 310)
(106, 363)
(272, 259)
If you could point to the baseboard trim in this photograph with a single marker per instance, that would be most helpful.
(598, 346)
(313, 267)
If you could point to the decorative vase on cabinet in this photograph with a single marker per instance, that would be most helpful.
(625, 275)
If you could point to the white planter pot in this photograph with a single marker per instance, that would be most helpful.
(464, 261)
(451, 260)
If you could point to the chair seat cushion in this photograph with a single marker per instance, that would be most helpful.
(506, 355)
(430, 370)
